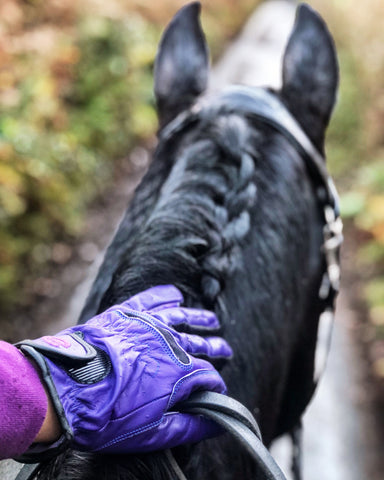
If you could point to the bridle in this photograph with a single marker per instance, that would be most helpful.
(264, 107)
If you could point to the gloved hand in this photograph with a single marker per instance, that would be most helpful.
(115, 381)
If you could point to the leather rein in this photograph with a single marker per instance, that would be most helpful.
(262, 106)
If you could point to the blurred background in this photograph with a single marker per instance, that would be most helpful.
(77, 115)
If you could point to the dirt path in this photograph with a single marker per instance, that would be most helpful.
(341, 441)
(339, 426)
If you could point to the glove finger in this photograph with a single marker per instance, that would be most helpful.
(211, 347)
(203, 319)
(159, 297)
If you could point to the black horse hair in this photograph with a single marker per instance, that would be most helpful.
(189, 224)
(198, 219)
(229, 214)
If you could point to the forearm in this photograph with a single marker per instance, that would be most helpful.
(26, 414)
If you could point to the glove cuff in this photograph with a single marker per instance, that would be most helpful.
(81, 361)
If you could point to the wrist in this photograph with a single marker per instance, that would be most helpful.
(50, 430)
(52, 436)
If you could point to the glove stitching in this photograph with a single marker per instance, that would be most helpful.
(131, 434)
(152, 328)
(179, 383)
(151, 425)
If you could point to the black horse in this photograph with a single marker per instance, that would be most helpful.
(229, 212)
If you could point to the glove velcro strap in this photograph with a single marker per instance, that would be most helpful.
(93, 371)
(83, 362)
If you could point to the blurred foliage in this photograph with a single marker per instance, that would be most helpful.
(356, 148)
(75, 96)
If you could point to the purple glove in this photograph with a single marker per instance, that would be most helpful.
(115, 380)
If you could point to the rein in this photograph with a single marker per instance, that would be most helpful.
(230, 414)
(262, 106)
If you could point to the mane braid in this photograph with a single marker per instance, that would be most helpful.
(192, 235)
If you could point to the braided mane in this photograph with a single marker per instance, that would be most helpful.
(190, 225)
(184, 226)
(190, 235)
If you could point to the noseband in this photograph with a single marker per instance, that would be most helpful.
(260, 106)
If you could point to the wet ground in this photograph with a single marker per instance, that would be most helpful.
(341, 438)
(340, 441)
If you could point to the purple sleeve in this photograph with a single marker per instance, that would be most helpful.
(23, 402)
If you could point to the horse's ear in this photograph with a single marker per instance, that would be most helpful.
(181, 67)
(310, 74)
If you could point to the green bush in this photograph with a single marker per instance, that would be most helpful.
(73, 118)
(75, 96)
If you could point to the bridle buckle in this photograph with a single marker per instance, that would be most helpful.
(333, 238)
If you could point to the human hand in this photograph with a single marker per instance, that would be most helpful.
(116, 379)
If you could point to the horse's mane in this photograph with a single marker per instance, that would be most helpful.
(186, 231)
(73, 465)
(191, 232)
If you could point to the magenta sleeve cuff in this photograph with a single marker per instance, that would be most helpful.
(23, 402)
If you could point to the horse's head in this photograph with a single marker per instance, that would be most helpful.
(232, 212)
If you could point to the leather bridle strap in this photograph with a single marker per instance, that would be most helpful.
(220, 403)
(263, 106)
(239, 422)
